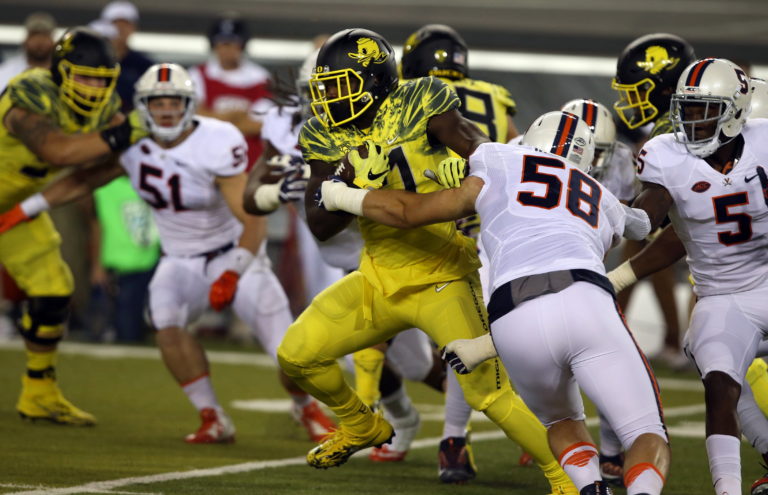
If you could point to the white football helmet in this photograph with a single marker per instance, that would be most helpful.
(165, 80)
(600, 121)
(759, 99)
(302, 83)
(713, 92)
(563, 134)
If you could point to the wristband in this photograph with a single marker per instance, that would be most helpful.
(241, 259)
(34, 205)
(267, 196)
(118, 138)
(337, 196)
(622, 276)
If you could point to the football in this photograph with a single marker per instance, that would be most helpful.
(345, 170)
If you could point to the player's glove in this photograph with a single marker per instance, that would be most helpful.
(279, 166)
(23, 212)
(122, 136)
(223, 290)
(294, 184)
(464, 355)
(451, 171)
(370, 172)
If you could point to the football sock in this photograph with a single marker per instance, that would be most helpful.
(511, 414)
(368, 366)
(41, 364)
(580, 462)
(200, 392)
(643, 478)
(724, 452)
(457, 411)
(757, 376)
(610, 445)
(397, 404)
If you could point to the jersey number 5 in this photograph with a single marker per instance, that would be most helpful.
(722, 215)
(582, 203)
(157, 199)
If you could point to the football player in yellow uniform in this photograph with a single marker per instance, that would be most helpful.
(438, 50)
(52, 119)
(424, 277)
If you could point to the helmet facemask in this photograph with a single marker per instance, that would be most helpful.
(338, 96)
(602, 159)
(84, 98)
(634, 106)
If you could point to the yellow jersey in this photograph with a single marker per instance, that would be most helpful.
(23, 172)
(487, 105)
(397, 258)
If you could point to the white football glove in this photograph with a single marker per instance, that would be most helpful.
(464, 355)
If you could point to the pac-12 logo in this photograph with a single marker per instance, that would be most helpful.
(368, 51)
(657, 59)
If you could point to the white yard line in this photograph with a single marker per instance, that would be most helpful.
(691, 430)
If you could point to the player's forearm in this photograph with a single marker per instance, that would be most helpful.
(254, 233)
(66, 150)
(393, 208)
(665, 250)
(80, 183)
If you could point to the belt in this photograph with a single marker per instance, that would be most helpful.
(209, 255)
(515, 292)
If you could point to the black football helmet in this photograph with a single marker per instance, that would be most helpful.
(435, 50)
(646, 76)
(82, 52)
(228, 27)
(355, 71)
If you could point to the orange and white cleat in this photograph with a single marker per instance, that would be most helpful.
(314, 420)
(217, 427)
(406, 430)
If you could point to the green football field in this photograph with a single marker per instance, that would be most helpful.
(137, 446)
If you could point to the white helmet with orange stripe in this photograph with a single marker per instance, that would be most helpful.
(563, 134)
(600, 121)
(710, 105)
(166, 120)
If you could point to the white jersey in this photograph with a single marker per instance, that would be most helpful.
(721, 219)
(342, 250)
(541, 214)
(179, 184)
(618, 175)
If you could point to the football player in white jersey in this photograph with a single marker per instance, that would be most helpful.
(191, 171)
(666, 250)
(710, 176)
(546, 227)
(409, 354)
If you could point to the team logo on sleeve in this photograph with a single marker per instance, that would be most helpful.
(657, 59)
(368, 51)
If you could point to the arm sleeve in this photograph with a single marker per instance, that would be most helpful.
(637, 225)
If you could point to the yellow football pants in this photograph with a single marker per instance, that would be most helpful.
(351, 315)
(30, 253)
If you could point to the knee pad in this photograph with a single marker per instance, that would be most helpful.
(43, 320)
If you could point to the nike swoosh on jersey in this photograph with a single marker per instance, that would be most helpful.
(390, 141)
(440, 287)
(747, 179)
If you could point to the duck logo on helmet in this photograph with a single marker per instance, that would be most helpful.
(657, 59)
(368, 51)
